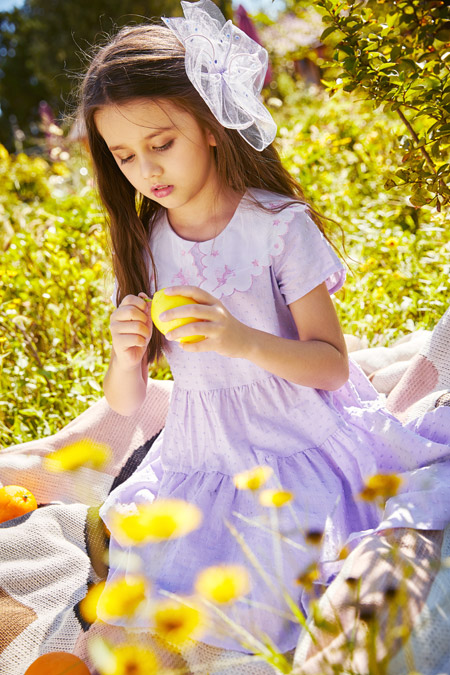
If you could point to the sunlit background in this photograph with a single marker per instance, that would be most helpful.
(252, 6)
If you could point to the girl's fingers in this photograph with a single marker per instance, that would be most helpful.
(136, 301)
(205, 312)
(131, 327)
(130, 313)
(192, 292)
(127, 340)
(201, 328)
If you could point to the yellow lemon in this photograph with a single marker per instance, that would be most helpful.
(161, 302)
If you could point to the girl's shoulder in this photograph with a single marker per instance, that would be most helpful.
(267, 215)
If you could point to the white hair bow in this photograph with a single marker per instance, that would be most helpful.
(227, 68)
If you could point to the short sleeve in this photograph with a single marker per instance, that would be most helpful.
(307, 259)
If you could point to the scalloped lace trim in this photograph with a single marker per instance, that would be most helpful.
(229, 270)
(234, 266)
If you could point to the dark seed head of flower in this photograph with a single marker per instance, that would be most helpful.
(352, 581)
(313, 537)
(367, 613)
(391, 592)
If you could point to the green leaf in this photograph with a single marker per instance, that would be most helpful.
(443, 35)
(349, 63)
(420, 197)
(391, 19)
(440, 131)
(327, 32)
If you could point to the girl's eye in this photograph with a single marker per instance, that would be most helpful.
(164, 147)
(161, 148)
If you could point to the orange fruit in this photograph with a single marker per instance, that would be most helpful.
(161, 302)
(58, 663)
(15, 501)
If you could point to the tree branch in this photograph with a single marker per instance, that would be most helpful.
(425, 154)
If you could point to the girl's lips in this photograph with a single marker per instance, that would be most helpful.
(163, 191)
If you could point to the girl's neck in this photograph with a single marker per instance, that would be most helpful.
(215, 215)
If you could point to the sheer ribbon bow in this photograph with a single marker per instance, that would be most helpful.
(227, 68)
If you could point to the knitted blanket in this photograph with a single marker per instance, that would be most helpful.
(49, 557)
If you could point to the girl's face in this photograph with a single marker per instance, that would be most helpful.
(163, 152)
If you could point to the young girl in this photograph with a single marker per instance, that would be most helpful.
(199, 203)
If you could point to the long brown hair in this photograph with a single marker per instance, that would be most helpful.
(147, 61)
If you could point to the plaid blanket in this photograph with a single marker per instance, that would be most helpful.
(49, 557)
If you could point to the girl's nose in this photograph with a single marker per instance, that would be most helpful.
(150, 168)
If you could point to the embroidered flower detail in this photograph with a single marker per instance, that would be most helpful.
(233, 270)
(180, 278)
(221, 280)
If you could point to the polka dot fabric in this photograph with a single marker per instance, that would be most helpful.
(228, 415)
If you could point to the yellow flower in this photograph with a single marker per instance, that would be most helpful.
(252, 479)
(129, 659)
(75, 455)
(381, 486)
(392, 242)
(379, 293)
(309, 576)
(97, 267)
(223, 583)
(157, 521)
(4, 154)
(88, 606)
(370, 262)
(129, 528)
(176, 622)
(60, 169)
(122, 597)
(275, 498)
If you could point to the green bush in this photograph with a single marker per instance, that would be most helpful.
(53, 302)
(396, 53)
(398, 254)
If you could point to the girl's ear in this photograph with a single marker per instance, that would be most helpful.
(210, 138)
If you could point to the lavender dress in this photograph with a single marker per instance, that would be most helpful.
(227, 415)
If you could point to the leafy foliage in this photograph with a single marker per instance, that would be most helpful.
(52, 302)
(398, 255)
(397, 54)
(43, 47)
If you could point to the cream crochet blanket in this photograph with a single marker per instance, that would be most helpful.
(48, 557)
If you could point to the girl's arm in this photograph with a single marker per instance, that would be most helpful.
(318, 359)
(125, 383)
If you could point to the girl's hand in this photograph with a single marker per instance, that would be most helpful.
(224, 334)
(131, 330)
